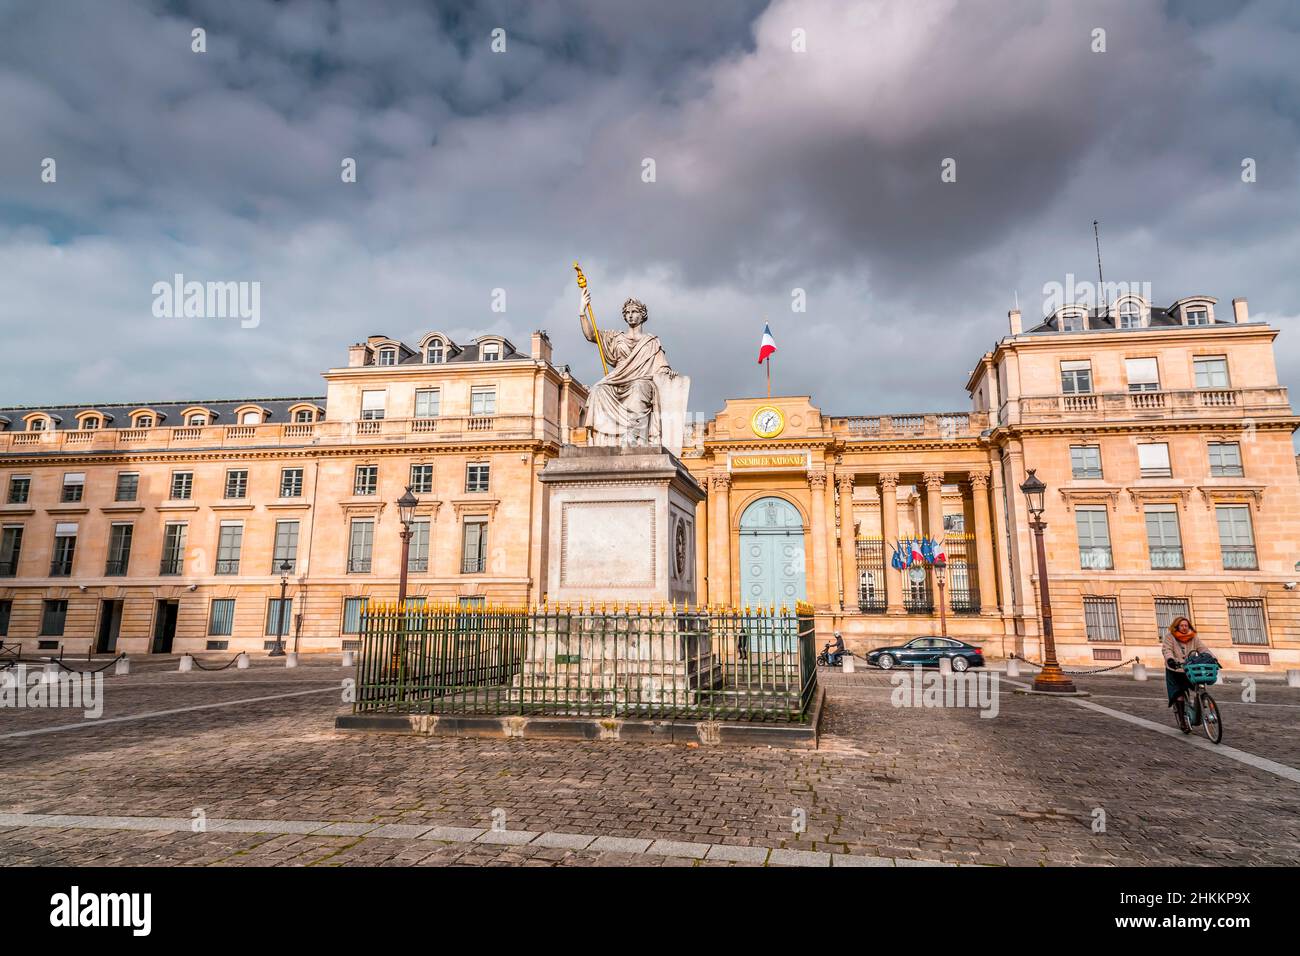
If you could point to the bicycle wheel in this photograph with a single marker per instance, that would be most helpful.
(1210, 719)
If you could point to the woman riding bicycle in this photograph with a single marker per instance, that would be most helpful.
(1179, 644)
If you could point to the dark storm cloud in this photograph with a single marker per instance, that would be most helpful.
(775, 170)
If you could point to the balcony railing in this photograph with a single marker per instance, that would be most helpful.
(115, 567)
(358, 565)
(1167, 559)
(9, 568)
(476, 564)
(419, 565)
(942, 425)
(1240, 558)
(1096, 559)
(61, 568)
(1170, 403)
(227, 565)
(170, 565)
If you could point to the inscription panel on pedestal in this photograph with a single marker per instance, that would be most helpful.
(608, 544)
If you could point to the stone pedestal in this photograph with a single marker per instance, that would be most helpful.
(621, 526)
(620, 543)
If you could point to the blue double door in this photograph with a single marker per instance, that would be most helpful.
(772, 555)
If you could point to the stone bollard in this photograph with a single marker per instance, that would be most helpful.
(291, 659)
(51, 673)
(945, 665)
(1293, 678)
(187, 664)
(1218, 680)
(846, 663)
(242, 663)
(1139, 671)
(348, 659)
(123, 666)
(1013, 667)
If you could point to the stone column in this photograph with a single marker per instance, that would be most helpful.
(888, 488)
(832, 563)
(848, 543)
(820, 591)
(979, 488)
(703, 525)
(933, 481)
(720, 543)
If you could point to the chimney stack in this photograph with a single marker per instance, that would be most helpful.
(1014, 318)
(1240, 311)
(542, 346)
(357, 355)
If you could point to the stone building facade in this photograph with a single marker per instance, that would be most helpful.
(1162, 433)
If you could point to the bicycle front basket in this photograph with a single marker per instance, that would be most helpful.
(1201, 672)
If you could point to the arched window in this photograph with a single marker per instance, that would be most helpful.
(90, 422)
(197, 419)
(436, 352)
(303, 415)
(1130, 315)
(491, 352)
(144, 421)
(251, 417)
(38, 424)
(388, 356)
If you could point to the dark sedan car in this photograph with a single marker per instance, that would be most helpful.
(923, 651)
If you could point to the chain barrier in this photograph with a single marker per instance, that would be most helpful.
(1095, 670)
(199, 664)
(88, 670)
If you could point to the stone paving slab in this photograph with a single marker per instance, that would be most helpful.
(799, 858)
(508, 837)
(621, 844)
(695, 851)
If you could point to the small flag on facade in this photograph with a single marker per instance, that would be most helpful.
(917, 556)
(767, 346)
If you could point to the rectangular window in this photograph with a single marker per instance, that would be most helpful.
(119, 549)
(1236, 538)
(1164, 542)
(366, 481)
(1143, 375)
(1225, 459)
(482, 400)
(1153, 460)
(11, 549)
(1169, 610)
(1246, 621)
(418, 558)
(1198, 316)
(1094, 538)
(237, 483)
(54, 614)
(229, 543)
(477, 476)
(182, 485)
(20, 489)
(1085, 461)
(372, 406)
(1076, 378)
(1211, 371)
(427, 402)
(173, 552)
(1101, 618)
(474, 547)
(360, 541)
(74, 484)
(221, 618)
(6, 608)
(291, 483)
(286, 546)
(128, 486)
(65, 547)
(1072, 322)
(422, 479)
(353, 608)
(279, 618)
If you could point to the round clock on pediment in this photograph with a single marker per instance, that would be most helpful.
(768, 422)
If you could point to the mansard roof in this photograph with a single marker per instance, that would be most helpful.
(118, 414)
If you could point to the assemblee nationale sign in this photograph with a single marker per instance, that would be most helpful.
(769, 461)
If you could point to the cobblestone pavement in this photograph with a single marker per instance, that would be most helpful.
(906, 784)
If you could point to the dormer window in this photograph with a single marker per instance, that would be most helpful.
(1072, 322)
(144, 421)
(491, 352)
(251, 418)
(1198, 315)
(38, 424)
(304, 416)
(197, 420)
(436, 352)
(387, 357)
(90, 423)
(1130, 315)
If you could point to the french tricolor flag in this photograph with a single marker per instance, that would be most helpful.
(768, 345)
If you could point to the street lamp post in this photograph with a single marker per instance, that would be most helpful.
(281, 625)
(1051, 678)
(406, 514)
(939, 568)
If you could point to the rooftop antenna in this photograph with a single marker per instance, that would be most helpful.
(1101, 283)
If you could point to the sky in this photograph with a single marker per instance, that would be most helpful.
(878, 181)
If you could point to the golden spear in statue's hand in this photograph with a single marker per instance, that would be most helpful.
(588, 318)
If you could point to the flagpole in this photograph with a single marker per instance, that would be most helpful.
(768, 363)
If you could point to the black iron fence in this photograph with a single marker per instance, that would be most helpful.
(658, 662)
(918, 595)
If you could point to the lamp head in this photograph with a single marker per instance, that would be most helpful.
(1035, 492)
(406, 507)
